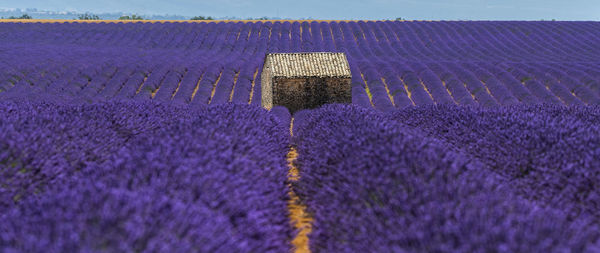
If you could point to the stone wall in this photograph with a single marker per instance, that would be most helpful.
(310, 92)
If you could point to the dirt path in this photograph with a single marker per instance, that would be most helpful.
(299, 218)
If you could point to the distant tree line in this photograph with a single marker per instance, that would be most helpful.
(262, 18)
(24, 16)
(132, 17)
(237, 18)
(88, 16)
(202, 18)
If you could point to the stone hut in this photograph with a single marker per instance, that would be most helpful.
(305, 80)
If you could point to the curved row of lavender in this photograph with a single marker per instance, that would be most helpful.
(401, 63)
(142, 177)
(517, 179)
(550, 154)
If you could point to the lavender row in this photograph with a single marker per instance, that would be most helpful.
(393, 64)
(117, 73)
(550, 154)
(375, 185)
(463, 41)
(142, 176)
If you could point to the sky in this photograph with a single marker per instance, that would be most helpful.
(335, 9)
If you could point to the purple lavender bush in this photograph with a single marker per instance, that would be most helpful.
(401, 63)
(549, 153)
(141, 176)
(375, 185)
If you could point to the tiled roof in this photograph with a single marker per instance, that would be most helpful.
(321, 64)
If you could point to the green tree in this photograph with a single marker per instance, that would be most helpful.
(88, 16)
(132, 17)
(261, 18)
(24, 16)
(202, 18)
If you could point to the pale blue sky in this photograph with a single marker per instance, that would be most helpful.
(338, 9)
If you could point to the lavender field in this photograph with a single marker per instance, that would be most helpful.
(149, 137)
(394, 64)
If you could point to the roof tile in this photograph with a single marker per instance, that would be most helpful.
(321, 64)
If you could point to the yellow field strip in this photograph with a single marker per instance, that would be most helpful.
(252, 86)
(300, 219)
(387, 90)
(449, 92)
(235, 78)
(178, 84)
(153, 94)
(467, 88)
(487, 90)
(142, 84)
(214, 88)
(408, 93)
(367, 90)
(196, 88)
(427, 90)
(548, 89)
